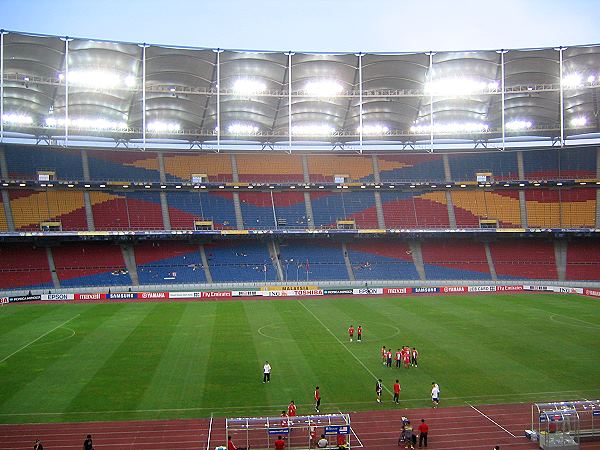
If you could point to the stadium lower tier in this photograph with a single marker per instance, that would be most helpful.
(160, 262)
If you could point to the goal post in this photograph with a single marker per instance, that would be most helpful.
(298, 432)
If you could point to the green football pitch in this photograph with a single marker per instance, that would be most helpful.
(90, 362)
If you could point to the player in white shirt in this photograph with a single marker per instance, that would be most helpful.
(266, 372)
(435, 394)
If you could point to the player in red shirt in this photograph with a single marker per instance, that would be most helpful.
(359, 334)
(398, 358)
(423, 430)
(231, 445)
(414, 358)
(317, 399)
(383, 354)
(279, 443)
(291, 409)
(351, 332)
(397, 391)
(407, 358)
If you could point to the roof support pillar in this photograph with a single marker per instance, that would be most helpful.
(430, 77)
(360, 101)
(562, 97)
(1, 85)
(289, 55)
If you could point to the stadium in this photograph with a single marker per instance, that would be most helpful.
(173, 217)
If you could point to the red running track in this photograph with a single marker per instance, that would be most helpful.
(452, 428)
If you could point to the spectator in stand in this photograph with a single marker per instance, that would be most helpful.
(88, 444)
(423, 430)
(38, 445)
(279, 443)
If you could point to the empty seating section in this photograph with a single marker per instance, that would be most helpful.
(120, 210)
(455, 260)
(24, 162)
(290, 210)
(3, 222)
(382, 260)
(583, 260)
(502, 165)
(322, 168)
(269, 168)
(560, 163)
(556, 208)
(410, 168)
(30, 208)
(329, 207)
(90, 264)
(123, 165)
(412, 210)
(257, 210)
(472, 206)
(169, 263)
(305, 261)
(24, 267)
(240, 262)
(524, 259)
(185, 207)
(181, 167)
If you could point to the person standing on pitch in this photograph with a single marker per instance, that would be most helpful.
(266, 372)
(397, 392)
(88, 444)
(378, 390)
(435, 394)
(351, 332)
(359, 334)
(317, 399)
(423, 430)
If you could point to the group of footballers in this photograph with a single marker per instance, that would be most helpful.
(406, 357)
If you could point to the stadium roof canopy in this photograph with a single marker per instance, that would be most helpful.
(86, 92)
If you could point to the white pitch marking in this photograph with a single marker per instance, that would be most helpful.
(38, 338)
(209, 432)
(491, 420)
(342, 344)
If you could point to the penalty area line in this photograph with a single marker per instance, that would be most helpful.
(38, 338)
(342, 344)
(491, 420)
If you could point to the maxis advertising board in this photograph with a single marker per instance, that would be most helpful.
(396, 291)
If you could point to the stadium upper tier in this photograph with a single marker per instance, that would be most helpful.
(71, 91)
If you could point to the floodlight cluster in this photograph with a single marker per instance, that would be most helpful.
(373, 129)
(579, 121)
(312, 130)
(458, 86)
(452, 127)
(102, 79)
(161, 127)
(323, 88)
(246, 86)
(241, 128)
(86, 123)
(516, 125)
(17, 119)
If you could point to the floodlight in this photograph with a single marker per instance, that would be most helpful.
(591, 79)
(374, 129)
(17, 119)
(99, 78)
(572, 80)
(312, 130)
(452, 127)
(245, 86)
(161, 127)
(458, 86)
(580, 121)
(240, 128)
(323, 88)
(515, 125)
(86, 123)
